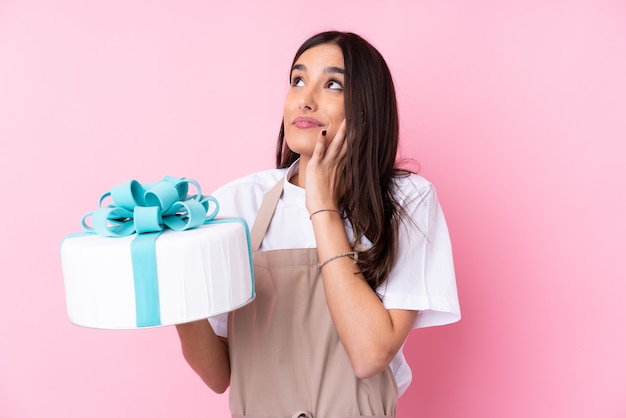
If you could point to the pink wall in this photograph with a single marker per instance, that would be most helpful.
(515, 110)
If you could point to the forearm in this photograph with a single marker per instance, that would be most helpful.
(371, 334)
(206, 353)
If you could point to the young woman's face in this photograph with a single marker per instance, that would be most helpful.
(315, 99)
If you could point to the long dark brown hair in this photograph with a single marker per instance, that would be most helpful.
(372, 133)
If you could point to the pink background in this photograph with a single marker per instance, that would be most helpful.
(515, 110)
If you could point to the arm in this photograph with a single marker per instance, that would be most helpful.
(371, 334)
(206, 353)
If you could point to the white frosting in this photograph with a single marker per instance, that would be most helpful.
(201, 272)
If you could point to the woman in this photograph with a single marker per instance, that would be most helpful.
(350, 253)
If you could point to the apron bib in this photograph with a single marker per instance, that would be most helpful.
(287, 360)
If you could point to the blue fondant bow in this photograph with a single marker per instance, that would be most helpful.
(147, 211)
(139, 209)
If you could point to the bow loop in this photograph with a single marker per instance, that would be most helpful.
(127, 195)
(206, 202)
(188, 214)
(162, 194)
(181, 184)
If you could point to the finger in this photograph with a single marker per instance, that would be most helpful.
(320, 146)
(339, 140)
(344, 148)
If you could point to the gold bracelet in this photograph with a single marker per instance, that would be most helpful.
(324, 210)
(354, 254)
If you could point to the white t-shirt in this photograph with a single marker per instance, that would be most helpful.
(423, 276)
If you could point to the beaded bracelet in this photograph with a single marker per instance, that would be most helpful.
(324, 210)
(354, 255)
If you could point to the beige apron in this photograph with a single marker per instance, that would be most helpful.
(286, 357)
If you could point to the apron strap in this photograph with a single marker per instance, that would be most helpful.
(264, 217)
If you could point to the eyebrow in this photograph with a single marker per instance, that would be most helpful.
(334, 70)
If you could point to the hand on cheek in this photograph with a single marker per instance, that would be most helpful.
(324, 171)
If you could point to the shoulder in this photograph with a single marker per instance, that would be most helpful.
(412, 190)
(260, 181)
(242, 197)
(263, 180)
(421, 211)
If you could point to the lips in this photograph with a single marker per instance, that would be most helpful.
(303, 122)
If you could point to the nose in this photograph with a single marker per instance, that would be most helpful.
(307, 100)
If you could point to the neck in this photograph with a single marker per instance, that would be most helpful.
(299, 179)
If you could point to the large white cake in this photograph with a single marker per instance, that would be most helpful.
(200, 272)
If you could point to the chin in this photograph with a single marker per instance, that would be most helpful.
(300, 143)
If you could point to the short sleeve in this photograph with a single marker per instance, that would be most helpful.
(220, 324)
(423, 276)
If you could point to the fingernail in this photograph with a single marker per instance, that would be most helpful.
(323, 133)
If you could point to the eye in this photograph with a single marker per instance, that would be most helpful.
(334, 85)
(297, 82)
